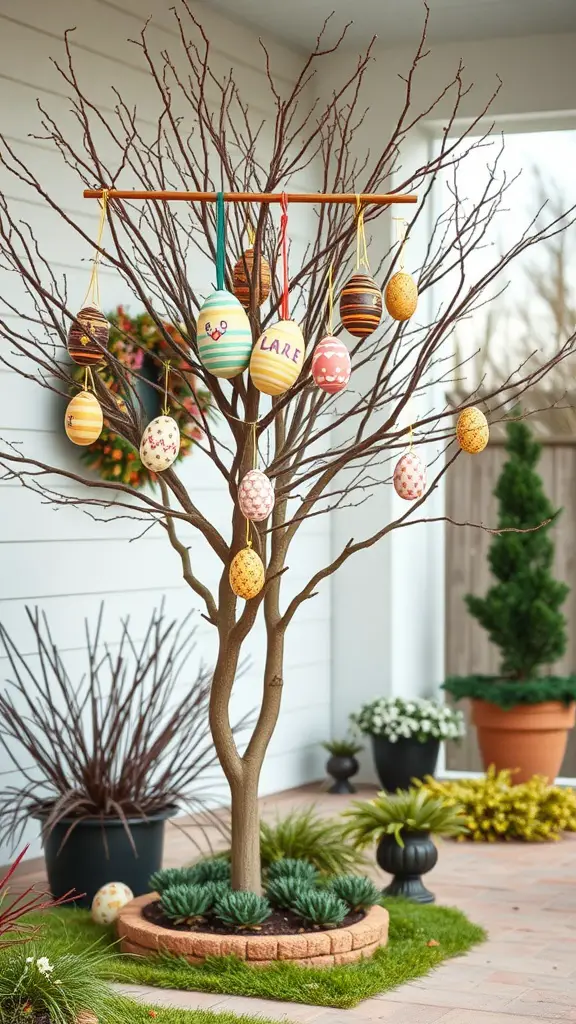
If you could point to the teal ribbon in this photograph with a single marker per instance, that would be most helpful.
(220, 241)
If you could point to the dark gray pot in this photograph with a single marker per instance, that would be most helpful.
(398, 763)
(407, 864)
(341, 769)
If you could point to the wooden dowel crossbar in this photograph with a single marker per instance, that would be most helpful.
(366, 199)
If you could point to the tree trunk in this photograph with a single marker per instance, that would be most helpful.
(246, 870)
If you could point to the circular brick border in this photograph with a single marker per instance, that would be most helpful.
(310, 949)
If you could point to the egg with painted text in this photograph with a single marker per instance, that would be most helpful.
(255, 496)
(331, 367)
(160, 444)
(224, 335)
(410, 477)
(277, 358)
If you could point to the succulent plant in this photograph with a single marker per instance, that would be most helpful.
(292, 867)
(216, 890)
(321, 908)
(242, 909)
(284, 891)
(211, 869)
(358, 891)
(186, 904)
(168, 877)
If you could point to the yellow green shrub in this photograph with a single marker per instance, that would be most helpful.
(495, 809)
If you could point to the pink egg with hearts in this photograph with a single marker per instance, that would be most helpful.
(255, 496)
(410, 477)
(331, 367)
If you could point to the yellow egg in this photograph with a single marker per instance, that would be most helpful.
(84, 418)
(472, 430)
(109, 900)
(246, 574)
(401, 296)
(277, 358)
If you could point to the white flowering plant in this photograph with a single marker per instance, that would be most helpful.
(415, 719)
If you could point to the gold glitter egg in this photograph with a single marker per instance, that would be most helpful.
(401, 296)
(472, 430)
(246, 574)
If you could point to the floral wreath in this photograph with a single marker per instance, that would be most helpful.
(132, 340)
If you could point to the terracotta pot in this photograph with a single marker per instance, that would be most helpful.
(528, 737)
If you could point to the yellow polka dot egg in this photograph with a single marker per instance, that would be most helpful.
(472, 430)
(108, 902)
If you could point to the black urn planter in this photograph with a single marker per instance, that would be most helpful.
(342, 768)
(97, 852)
(398, 763)
(407, 864)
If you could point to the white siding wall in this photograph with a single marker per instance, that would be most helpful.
(61, 559)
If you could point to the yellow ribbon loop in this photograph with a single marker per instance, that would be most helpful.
(250, 231)
(361, 247)
(401, 231)
(166, 408)
(93, 293)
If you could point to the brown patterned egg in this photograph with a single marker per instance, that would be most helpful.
(361, 305)
(84, 419)
(410, 477)
(246, 574)
(401, 296)
(87, 336)
(243, 279)
(472, 430)
(255, 496)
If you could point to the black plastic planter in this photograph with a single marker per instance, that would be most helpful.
(398, 763)
(407, 863)
(97, 852)
(342, 768)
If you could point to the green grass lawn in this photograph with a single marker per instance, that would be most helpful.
(137, 1013)
(406, 957)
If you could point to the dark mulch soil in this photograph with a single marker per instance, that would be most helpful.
(280, 922)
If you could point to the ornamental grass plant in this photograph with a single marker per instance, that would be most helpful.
(393, 814)
(494, 809)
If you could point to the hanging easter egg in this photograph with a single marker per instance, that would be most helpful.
(160, 444)
(83, 420)
(410, 477)
(331, 367)
(109, 900)
(472, 430)
(401, 296)
(224, 335)
(255, 496)
(243, 277)
(361, 305)
(89, 331)
(277, 357)
(246, 574)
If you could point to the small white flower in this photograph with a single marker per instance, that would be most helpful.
(29, 959)
(44, 966)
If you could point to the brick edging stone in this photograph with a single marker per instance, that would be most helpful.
(310, 949)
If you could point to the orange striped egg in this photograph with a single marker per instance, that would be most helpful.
(401, 296)
(87, 336)
(277, 357)
(361, 305)
(243, 277)
(331, 365)
(84, 419)
(410, 477)
(472, 430)
(246, 574)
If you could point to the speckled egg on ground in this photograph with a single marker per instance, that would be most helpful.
(410, 477)
(331, 366)
(109, 900)
(224, 335)
(256, 496)
(472, 430)
(160, 444)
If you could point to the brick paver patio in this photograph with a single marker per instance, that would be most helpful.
(525, 896)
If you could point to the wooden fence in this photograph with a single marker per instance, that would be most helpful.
(469, 498)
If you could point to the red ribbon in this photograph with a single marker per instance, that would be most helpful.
(285, 305)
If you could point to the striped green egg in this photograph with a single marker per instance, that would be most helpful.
(224, 335)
